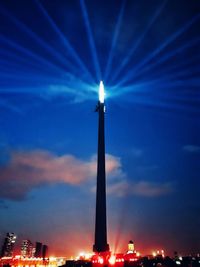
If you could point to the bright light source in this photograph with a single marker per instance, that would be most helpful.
(101, 92)
(100, 260)
(52, 258)
(81, 254)
(112, 259)
(154, 254)
(17, 257)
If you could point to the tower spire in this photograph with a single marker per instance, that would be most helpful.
(101, 244)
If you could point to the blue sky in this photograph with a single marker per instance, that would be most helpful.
(53, 56)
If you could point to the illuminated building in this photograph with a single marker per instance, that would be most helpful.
(131, 247)
(26, 248)
(38, 250)
(100, 244)
(8, 245)
(33, 252)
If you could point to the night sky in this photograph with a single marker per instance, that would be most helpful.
(53, 55)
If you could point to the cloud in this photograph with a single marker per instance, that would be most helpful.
(191, 148)
(27, 170)
(31, 169)
(141, 188)
(86, 90)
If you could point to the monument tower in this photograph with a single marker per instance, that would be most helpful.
(101, 244)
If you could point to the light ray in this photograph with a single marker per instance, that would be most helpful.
(169, 55)
(138, 42)
(67, 78)
(114, 40)
(36, 38)
(66, 84)
(91, 39)
(152, 98)
(175, 67)
(29, 53)
(164, 80)
(8, 67)
(173, 37)
(160, 83)
(184, 73)
(56, 70)
(65, 41)
(11, 61)
(17, 59)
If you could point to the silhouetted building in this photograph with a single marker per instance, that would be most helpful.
(8, 245)
(44, 251)
(38, 250)
(26, 248)
(100, 244)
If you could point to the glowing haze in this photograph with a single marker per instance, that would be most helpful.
(53, 55)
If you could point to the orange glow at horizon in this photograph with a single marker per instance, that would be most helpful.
(78, 244)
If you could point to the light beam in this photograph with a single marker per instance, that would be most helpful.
(65, 41)
(157, 51)
(138, 42)
(114, 40)
(90, 39)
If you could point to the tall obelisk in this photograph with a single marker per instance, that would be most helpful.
(100, 244)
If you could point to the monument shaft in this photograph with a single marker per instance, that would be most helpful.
(100, 220)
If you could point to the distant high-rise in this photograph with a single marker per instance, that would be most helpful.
(44, 251)
(26, 248)
(100, 244)
(38, 250)
(8, 245)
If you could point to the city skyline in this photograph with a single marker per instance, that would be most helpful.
(53, 56)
